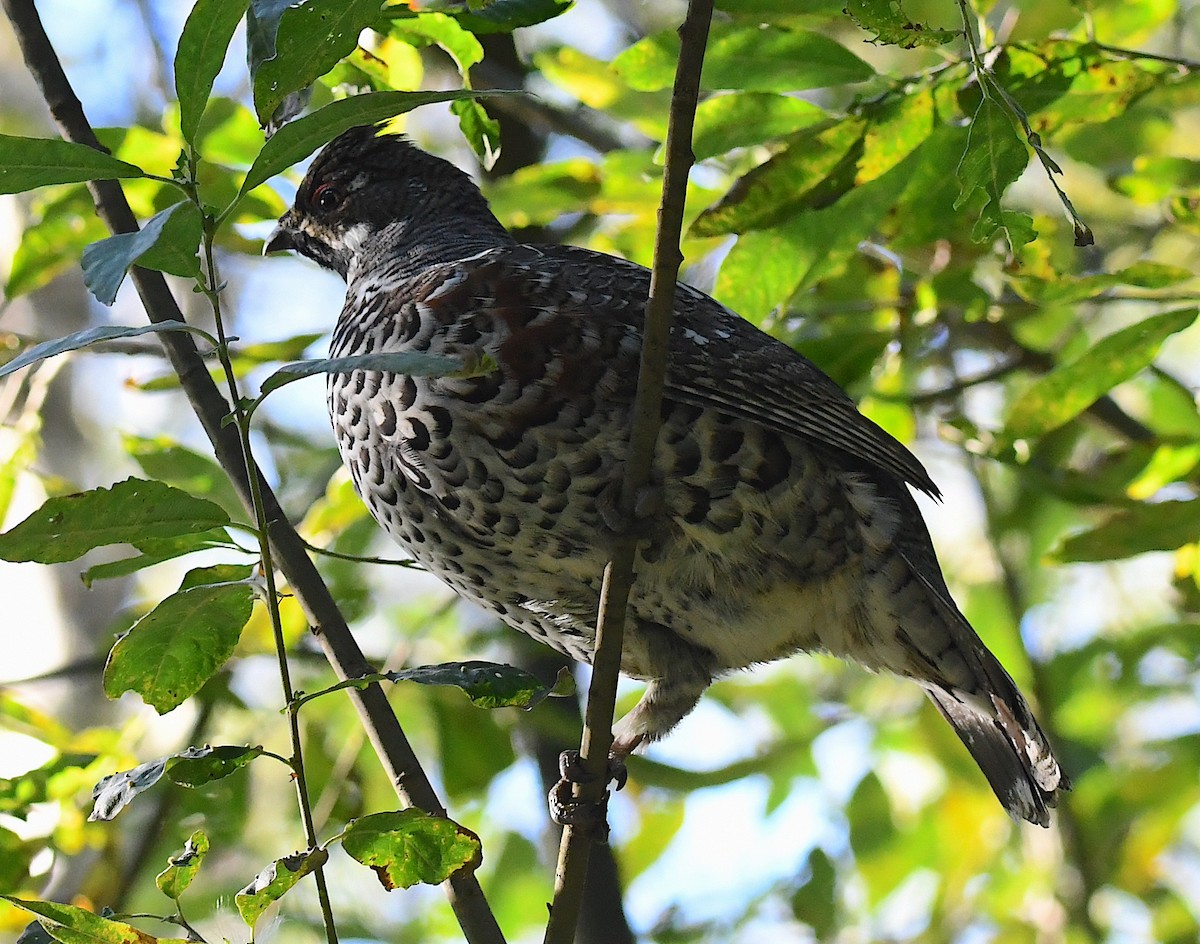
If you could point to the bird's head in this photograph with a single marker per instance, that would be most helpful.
(372, 197)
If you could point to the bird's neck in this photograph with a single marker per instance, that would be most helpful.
(405, 248)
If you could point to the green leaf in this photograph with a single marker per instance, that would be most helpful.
(815, 902)
(497, 16)
(106, 262)
(487, 684)
(766, 267)
(183, 866)
(481, 130)
(994, 158)
(166, 460)
(743, 119)
(815, 168)
(276, 880)
(73, 925)
(156, 551)
(446, 32)
(1161, 526)
(69, 526)
(199, 56)
(1071, 388)
(298, 139)
(411, 846)
(1066, 289)
(764, 59)
(310, 39)
(89, 336)
(116, 791)
(197, 766)
(411, 363)
(26, 163)
(176, 250)
(168, 655)
(541, 193)
(66, 221)
(887, 20)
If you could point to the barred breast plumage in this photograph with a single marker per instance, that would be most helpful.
(782, 519)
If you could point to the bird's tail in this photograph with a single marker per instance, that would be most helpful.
(999, 730)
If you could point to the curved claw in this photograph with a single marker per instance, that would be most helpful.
(566, 809)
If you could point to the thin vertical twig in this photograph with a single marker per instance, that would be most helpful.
(391, 744)
(618, 574)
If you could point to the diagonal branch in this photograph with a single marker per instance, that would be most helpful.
(647, 410)
(390, 743)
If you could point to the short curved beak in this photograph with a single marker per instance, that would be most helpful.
(280, 240)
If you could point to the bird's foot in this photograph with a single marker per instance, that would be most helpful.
(566, 809)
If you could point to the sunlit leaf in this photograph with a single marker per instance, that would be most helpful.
(994, 158)
(168, 655)
(276, 880)
(742, 119)
(27, 163)
(200, 54)
(309, 39)
(411, 847)
(64, 222)
(1160, 526)
(763, 59)
(887, 20)
(183, 866)
(74, 925)
(816, 167)
(540, 194)
(134, 510)
(1071, 388)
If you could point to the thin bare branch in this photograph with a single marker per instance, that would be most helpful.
(618, 574)
(390, 743)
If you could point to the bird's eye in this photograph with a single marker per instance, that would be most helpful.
(326, 198)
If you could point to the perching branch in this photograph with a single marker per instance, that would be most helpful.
(646, 419)
(390, 743)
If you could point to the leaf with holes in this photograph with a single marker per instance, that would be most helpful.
(183, 866)
(411, 847)
(275, 881)
(197, 766)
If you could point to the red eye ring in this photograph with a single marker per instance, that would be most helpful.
(326, 197)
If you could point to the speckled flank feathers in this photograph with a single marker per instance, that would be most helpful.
(785, 519)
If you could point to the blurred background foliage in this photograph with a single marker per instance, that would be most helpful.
(863, 193)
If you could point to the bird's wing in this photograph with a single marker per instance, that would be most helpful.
(720, 361)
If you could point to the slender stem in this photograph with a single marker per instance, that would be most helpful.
(391, 744)
(212, 291)
(646, 419)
